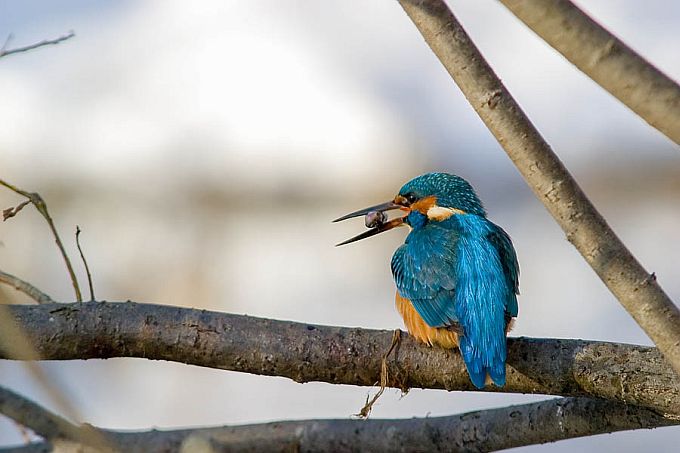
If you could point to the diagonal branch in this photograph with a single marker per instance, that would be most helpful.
(46, 42)
(25, 287)
(488, 430)
(586, 229)
(35, 417)
(606, 59)
(339, 355)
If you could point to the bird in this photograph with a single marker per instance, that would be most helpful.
(457, 274)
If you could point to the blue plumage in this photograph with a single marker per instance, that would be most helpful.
(461, 271)
(457, 272)
(482, 299)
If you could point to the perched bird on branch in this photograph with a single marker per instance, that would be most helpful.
(457, 274)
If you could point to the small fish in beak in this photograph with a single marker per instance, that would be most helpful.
(375, 219)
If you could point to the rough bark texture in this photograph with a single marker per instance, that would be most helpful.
(488, 430)
(339, 355)
(586, 229)
(605, 59)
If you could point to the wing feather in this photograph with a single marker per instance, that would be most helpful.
(503, 245)
(424, 272)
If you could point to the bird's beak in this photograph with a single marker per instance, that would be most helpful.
(380, 227)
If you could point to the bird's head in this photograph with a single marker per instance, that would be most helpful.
(429, 197)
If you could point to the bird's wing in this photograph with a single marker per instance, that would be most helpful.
(503, 245)
(425, 275)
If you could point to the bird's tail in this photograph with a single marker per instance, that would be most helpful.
(482, 362)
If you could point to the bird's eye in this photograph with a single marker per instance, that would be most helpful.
(410, 197)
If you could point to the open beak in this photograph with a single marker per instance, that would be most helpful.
(381, 227)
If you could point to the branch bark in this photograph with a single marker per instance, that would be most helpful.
(603, 57)
(628, 374)
(487, 430)
(586, 229)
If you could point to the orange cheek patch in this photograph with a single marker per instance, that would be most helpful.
(424, 204)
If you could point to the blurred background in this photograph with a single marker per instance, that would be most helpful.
(204, 148)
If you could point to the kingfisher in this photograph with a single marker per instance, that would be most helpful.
(457, 274)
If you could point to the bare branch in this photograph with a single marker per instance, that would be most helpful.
(606, 59)
(29, 414)
(46, 42)
(14, 342)
(584, 226)
(25, 287)
(87, 268)
(488, 430)
(97, 330)
(36, 447)
(41, 206)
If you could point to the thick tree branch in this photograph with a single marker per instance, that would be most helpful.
(604, 58)
(635, 288)
(487, 430)
(46, 42)
(303, 352)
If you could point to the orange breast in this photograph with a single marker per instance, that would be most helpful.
(417, 327)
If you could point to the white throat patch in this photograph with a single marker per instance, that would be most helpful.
(441, 213)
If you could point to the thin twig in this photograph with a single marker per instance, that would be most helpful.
(495, 429)
(552, 183)
(339, 355)
(40, 205)
(6, 43)
(384, 377)
(606, 59)
(87, 268)
(46, 42)
(26, 288)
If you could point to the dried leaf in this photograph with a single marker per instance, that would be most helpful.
(11, 212)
